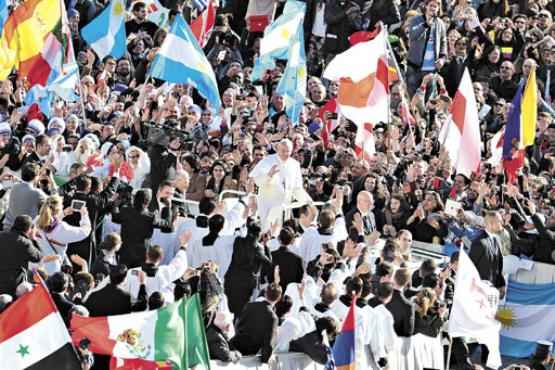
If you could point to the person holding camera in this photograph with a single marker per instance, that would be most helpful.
(54, 234)
(96, 203)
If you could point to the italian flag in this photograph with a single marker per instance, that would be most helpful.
(34, 336)
(173, 334)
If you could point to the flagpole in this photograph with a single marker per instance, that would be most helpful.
(448, 361)
(63, 12)
(404, 96)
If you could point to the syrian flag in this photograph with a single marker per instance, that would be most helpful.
(173, 334)
(363, 96)
(203, 25)
(461, 135)
(33, 335)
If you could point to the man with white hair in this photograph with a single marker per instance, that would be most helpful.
(279, 180)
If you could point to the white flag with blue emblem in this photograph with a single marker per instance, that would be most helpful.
(181, 60)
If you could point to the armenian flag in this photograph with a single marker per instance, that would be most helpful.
(344, 346)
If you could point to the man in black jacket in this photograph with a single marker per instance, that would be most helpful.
(485, 253)
(257, 326)
(58, 284)
(400, 307)
(113, 300)
(17, 249)
(290, 264)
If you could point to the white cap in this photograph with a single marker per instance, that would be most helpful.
(5, 128)
(56, 124)
(27, 138)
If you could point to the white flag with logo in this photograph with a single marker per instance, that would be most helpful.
(474, 309)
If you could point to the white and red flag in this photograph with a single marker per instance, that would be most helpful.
(461, 135)
(362, 72)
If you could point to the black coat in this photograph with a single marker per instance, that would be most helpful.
(101, 267)
(545, 243)
(110, 300)
(339, 25)
(163, 166)
(64, 305)
(248, 260)
(136, 229)
(290, 267)
(256, 330)
(311, 345)
(218, 345)
(16, 251)
(429, 325)
(488, 259)
(403, 314)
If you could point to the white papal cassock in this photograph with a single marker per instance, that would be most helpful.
(276, 193)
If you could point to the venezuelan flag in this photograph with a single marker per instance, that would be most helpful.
(520, 130)
(344, 346)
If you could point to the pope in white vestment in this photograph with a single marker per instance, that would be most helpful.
(279, 180)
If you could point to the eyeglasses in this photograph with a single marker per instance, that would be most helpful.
(134, 156)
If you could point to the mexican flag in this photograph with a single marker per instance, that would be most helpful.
(173, 334)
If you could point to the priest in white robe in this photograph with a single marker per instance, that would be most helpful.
(280, 182)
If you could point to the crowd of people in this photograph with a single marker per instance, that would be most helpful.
(140, 194)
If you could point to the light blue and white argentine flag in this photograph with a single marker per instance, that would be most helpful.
(528, 317)
(278, 37)
(181, 60)
(292, 85)
(106, 33)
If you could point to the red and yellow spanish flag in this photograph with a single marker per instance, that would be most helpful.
(25, 33)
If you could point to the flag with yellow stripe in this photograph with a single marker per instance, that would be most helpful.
(529, 112)
(25, 32)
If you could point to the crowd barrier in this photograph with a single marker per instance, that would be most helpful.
(281, 361)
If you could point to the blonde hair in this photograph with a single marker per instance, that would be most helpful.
(51, 207)
(424, 300)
